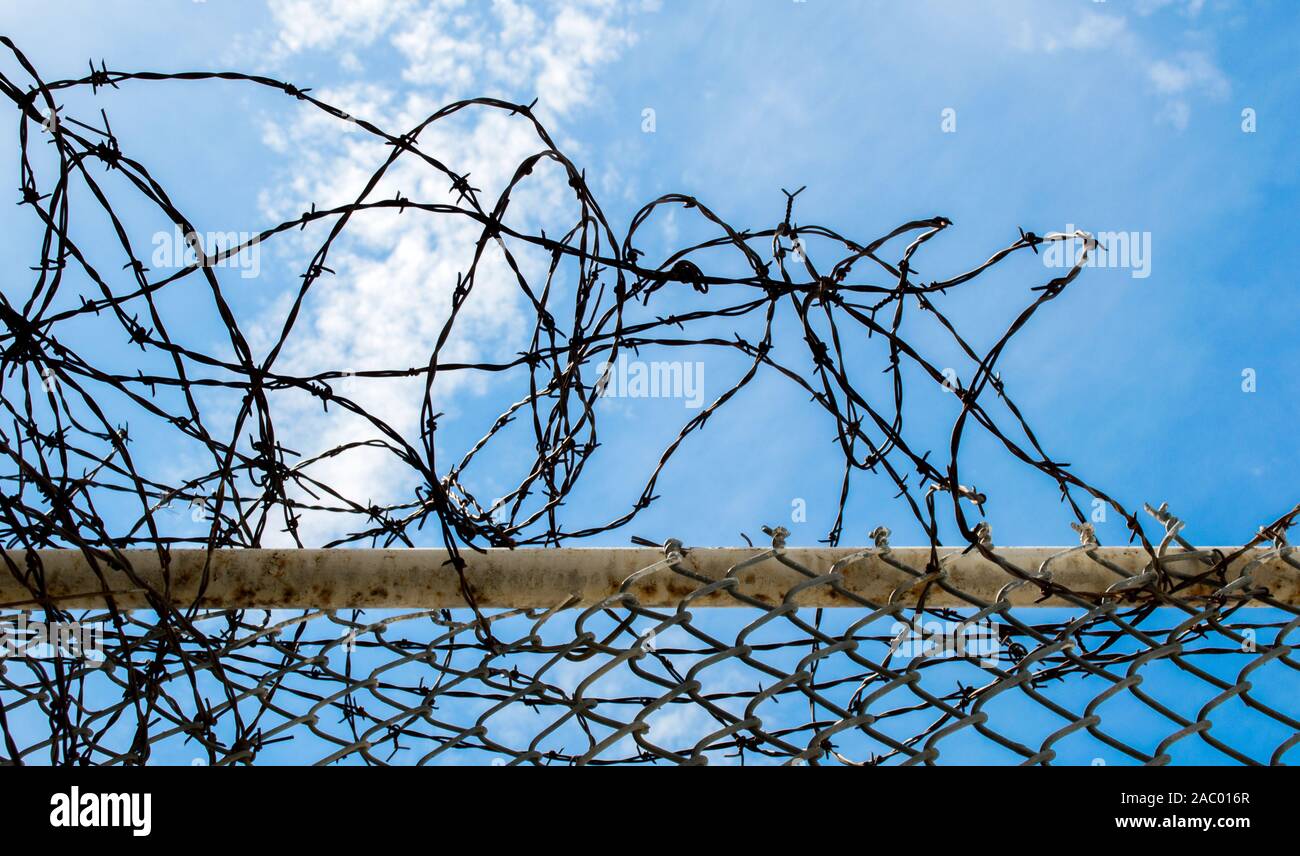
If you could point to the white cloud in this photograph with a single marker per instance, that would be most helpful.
(1190, 71)
(1191, 8)
(389, 298)
(1177, 113)
(323, 24)
(1090, 31)
(458, 49)
(1176, 78)
(512, 46)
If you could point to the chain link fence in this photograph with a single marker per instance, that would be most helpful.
(1141, 671)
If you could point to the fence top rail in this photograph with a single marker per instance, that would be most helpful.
(585, 577)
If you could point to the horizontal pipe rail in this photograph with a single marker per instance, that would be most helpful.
(545, 578)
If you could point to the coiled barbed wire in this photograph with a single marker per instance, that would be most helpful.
(72, 480)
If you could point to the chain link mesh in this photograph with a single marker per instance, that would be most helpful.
(618, 683)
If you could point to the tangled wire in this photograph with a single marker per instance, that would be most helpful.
(73, 479)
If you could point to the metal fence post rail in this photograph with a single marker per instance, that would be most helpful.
(541, 578)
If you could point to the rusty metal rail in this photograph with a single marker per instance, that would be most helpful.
(540, 578)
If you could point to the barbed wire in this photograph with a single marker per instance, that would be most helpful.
(71, 479)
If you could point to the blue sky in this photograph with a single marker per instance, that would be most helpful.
(1105, 116)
